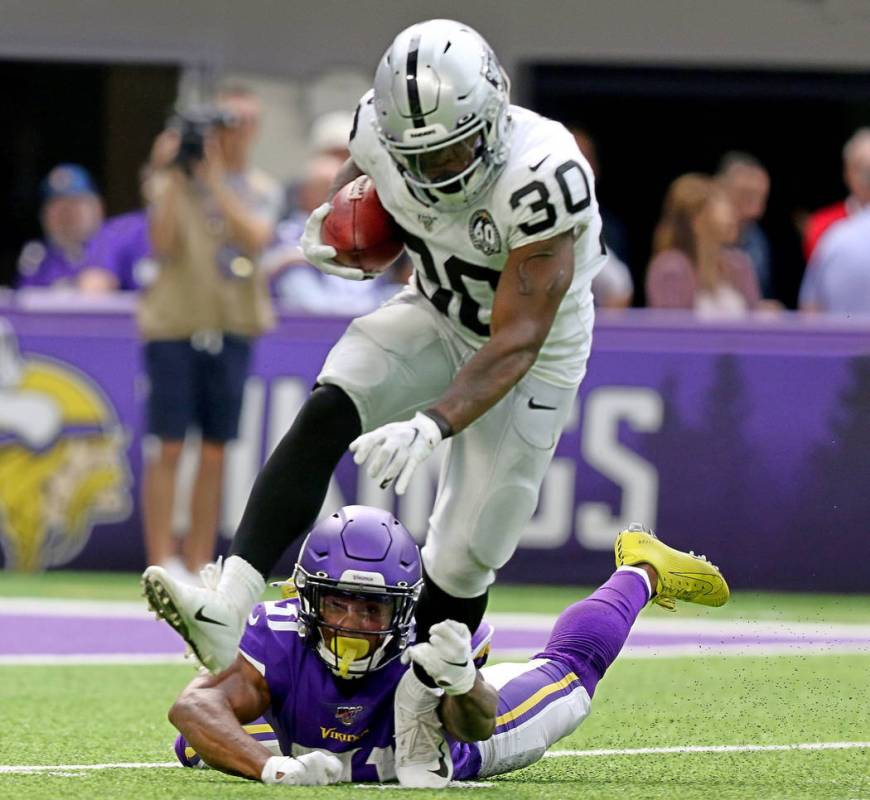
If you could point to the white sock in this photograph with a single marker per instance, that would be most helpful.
(643, 574)
(241, 584)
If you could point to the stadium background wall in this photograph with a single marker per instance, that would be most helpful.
(746, 438)
(280, 38)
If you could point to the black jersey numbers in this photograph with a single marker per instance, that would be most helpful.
(469, 310)
(574, 184)
(457, 272)
(576, 193)
(537, 195)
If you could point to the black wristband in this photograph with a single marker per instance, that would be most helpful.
(440, 421)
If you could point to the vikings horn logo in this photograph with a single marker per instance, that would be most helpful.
(62, 462)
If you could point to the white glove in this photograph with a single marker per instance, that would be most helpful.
(320, 254)
(312, 769)
(396, 449)
(446, 657)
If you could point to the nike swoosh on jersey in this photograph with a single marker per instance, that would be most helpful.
(252, 619)
(533, 404)
(203, 618)
(535, 167)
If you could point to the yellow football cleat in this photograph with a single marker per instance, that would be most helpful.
(682, 576)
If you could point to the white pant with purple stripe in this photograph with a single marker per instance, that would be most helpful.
(540, 702)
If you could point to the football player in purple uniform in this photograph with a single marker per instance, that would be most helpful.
(319, 673)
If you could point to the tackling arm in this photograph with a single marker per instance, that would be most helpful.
(209, 713)
(470, 717)
(532, 285)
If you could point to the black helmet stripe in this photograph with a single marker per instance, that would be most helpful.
(411, 81)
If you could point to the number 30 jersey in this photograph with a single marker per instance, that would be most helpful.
(545, 188)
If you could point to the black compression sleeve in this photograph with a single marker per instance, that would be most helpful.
(436, 605)
(291, 487)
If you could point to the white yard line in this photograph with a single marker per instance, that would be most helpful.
(676, 624)
(29, 606)
(451, 785)
(12, 769)
(91, 659)
(736, 649)
(715, 748)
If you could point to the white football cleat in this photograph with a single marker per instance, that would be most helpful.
(423, 759)
(202, 616)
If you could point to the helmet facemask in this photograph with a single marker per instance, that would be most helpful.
(459, 101)
(453, 189)
(352, 652)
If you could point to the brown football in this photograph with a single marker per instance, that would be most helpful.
(360, 228)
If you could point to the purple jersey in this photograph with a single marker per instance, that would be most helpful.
(42, 263)
(312, 709)
(122, 246)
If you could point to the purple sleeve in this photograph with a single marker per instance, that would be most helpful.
(35, 266)
(268, 643)
(119, 244)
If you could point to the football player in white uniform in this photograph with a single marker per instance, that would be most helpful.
(485, 349)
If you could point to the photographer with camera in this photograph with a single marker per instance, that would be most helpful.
(211, 214)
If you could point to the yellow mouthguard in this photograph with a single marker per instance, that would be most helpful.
(348, 650)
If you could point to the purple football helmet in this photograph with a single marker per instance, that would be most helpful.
(365, 553)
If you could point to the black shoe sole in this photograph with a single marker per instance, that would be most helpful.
(161, 603)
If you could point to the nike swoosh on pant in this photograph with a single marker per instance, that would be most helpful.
(533, 404)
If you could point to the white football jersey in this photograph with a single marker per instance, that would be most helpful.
(545, 188)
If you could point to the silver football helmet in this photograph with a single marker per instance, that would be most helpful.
(443, 112)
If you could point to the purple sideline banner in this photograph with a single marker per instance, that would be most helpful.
(748, 440)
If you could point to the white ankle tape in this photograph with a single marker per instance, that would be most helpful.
(643, 574)
(241, 584)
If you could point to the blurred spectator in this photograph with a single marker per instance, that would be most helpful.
(747, 184)
(211, 216)
(613, 287)
(123, 245)
(71, 215)
(838, 276)
(694, 264)
(122, 248)
(856, 174)
(330, 134)
(327, 139)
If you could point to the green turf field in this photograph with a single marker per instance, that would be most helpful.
(73, 715)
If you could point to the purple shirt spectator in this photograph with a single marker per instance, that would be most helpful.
(46, 264)
(71, 215)
(123, 248)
